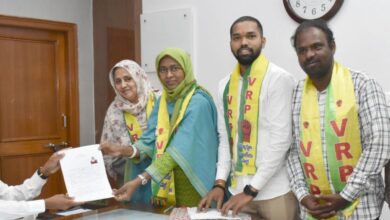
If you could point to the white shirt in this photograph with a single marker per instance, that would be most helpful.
(274, 136)
(14, 199)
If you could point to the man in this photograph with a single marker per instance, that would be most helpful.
(13, 199)
(341, 133)
(255, 131)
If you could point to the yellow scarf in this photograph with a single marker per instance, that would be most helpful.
(342, 135)
(164, 192)
(242, 122)
(132, 123)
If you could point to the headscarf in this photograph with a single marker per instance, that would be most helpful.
(184, 60)
(179, 93)
(115, 129)
(143, 90)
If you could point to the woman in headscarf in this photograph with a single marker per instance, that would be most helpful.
(125, 121)
(181, 138)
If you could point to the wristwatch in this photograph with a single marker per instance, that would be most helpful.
(40, 174)
(144, 181)
(248, 191)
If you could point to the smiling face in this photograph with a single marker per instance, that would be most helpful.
(170, 72)
(125, 85)
(315, 53)
(246, 42)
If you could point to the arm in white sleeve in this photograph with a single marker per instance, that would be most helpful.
(224, 157)
(14, 199)
(22, 208)
(275, 118)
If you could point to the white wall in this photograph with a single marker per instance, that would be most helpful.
(80, 13)
(361, 29)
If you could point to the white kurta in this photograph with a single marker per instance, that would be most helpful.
(274, 136)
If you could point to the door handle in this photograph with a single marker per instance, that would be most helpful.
(57, 147)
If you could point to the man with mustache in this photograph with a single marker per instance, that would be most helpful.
(341, 133)
(254, 123)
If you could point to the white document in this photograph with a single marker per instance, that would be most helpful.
(84, 174)
(215, 214)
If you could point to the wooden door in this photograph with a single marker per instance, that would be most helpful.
(38, 90)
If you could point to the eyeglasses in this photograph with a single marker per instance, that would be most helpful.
(172, 69)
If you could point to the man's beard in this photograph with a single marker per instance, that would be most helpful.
(320, 71)
(247, 59)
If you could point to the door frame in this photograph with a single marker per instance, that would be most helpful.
(72, 85)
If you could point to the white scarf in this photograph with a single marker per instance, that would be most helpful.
(143, 90)
(114, 129)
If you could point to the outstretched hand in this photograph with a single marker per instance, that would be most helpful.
(111, 149)
(127, 190)
(61, 201)
(52, 165)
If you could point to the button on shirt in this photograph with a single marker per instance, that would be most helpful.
(274, 136)
(14, 199)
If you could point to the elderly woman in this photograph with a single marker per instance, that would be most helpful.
(125, 121)
(181, 137)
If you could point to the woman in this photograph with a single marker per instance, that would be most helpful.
(181, 137)
(126, 119)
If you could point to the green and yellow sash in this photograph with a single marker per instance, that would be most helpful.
(342, 135)
(242, 122)
(164, 192)
(132, 123)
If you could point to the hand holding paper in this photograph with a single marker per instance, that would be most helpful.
(84, 174)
